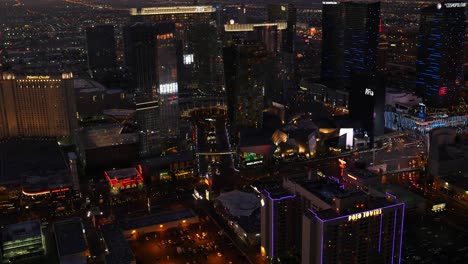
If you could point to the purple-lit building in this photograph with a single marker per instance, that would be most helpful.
(370, 233)
(333, 224)
(278, 217)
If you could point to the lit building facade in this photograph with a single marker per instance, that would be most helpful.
(373, 235)
(195, 28)
(22, 241)
(37, 106)
(100, 44)
(124, 178)
(349, 42)
(168, 86)
(439, 66)
(330, 223)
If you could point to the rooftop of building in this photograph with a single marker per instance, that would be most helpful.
(118, 247)
(277, 192)
(251, 27)
(256, 141)
(399, 193)
(326, 190)
(156, 219)
(70, 236)
(453, 152)
(121, 174)
(457, 180)
(22, 230)
(250, 224)
(37, 165)
(372, 204)
(127, 113)
(169, 159)
(88, 86)
(238, 203)
(104, 136)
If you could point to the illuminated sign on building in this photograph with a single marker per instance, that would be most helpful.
(438, 207)
(172, 10)
(362, 215)
(369, 92)
(37, 77)
(254, 162)
(329, 3)
(452, 5)
(168, 88)
(188, 59)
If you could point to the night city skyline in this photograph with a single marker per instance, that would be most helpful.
(233, 131)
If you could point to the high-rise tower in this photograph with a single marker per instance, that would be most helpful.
(100, 44)
(439, 66)
(37, 106)
(151, 56)
(349, 42)
(195, 28)
(244, 68)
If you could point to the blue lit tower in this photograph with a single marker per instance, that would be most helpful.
(350, 41)
(439, 65)
(332, 41)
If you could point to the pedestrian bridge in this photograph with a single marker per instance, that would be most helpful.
(190, 105)
(215, 153)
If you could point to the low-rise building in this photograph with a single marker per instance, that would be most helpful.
(22, 241)
(106, 146)
(124, 178)
(241, 211)
(70, 237)
(136, 227)
(117, 249)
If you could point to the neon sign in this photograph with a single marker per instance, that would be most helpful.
(369, 91)
(38, 77)
(362, 215)
(253, 162)
(451, 5)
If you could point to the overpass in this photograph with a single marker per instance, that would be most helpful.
(215, 153)
(189, 105)
(404, 170)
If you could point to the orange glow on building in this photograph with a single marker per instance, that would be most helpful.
(46, 192)
(124, 178)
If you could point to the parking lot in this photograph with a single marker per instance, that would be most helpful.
(198, 243)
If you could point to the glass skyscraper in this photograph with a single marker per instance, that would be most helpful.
(439, 65)
(100, 44)
(349, 42)
(195, 28)
(152, 56)
(244, 68)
